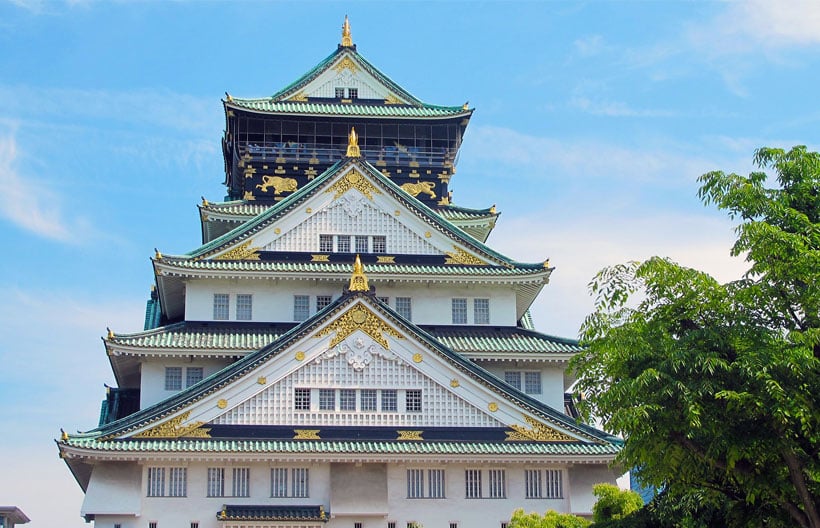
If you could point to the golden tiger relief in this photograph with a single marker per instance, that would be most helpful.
(278, 183)
(422, 187)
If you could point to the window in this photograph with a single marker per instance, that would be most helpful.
(340, 93)
(300, 482)
(353, 93)
(404, 307)
(459, 311)
(343, 244)
(278, 482)
(221, 306)
(194, 524)
(216, 482)
(472, 481)
(152, 524)
(532, 382)
(380, 244)
(327, 399)
(532, 484)
(178, 482)
(193, 375)
(156, 482)
(322, 301)
(481, 311)
(412, 400)
(116, 525)
(301, 399)
(544, 484)
(384, 300)
(361, 244)
(368, 399)
(241, 482)
(553, 488)
(357, 525)
(347, 400)
(435, 483)
(513, 377)
(326, 243)
(497, 481)
(453, 525)
(391, 524)
(244, 307)
(389, 400)
(301, 307)
(173, 378)
(415, 483)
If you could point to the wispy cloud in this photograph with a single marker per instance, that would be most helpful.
(615, 108)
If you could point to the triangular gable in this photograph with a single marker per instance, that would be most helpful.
(332, 348)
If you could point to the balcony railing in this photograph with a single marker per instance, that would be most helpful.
(318, 153)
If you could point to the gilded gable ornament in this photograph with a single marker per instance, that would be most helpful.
(353, 144)
(353, 180)
(347, 40)
(359, 318)
(538, 432)
(459, 256)
(241, 252)
(422, 187)
(358, 280)
(174, 428)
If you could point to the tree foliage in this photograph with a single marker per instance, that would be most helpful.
(716, 387)
(551, 519)
(613, 502)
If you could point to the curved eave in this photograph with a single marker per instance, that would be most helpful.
(362, 111)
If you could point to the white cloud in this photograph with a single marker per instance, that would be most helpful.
(590, 45)
(615, 108)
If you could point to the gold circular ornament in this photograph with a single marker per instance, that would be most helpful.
(428, 234)
(492, 406)
(222, 403)
(359, 316)
(308, 210)
(261, 380)
(454, 383)
(353, 177)
(277, 230)
(300, 356)
(417, 357)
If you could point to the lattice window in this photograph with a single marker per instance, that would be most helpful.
(481, 311)
(412, 400)
(301, 399)
(173, 378)
(532, 382)
(459, 311)
(472, 482)
(339, 92)
(553, 488)
(279, 482)
(497, 483)
(368, 399)
(379, 244)
(322, 301)
(326, 243)
(216, 482)
(404, 307)
(343, 244)
(513, 377)
(222, 306)
(389, 400)
(241, 482)
(352, 93)
(193, 375)
(415, 483)
(435, 483)
(327, 399)
(347, 400)
(361, 243)
(244, 307)
(156, 482)
(300, 482)
(178, 482)
(301, 307)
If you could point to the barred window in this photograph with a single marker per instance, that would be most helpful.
(415, 483)
(532, 484)
(481, 311)
(241, 482)
(322, 301)
(244, 307)
(221, 306)
(532, 382)
(361, 244)
(472, 481)
(389, 400)
(301, 307)
(347, 400)
(459, 311)
(353, 93)
(343, 244)
(553, 488)
(216, 482)
(279, 482)
(497, 482)
(326, 243)
(379, 244)
(178, 482)
(340, 93)
(156, 482)
(543, 484)
(173, 378)
(513, 377)
(193, 375)
(300, 482)
(435, 483)
(412, 400)
(327, 399)
(404, 307)
(301, 399)
(368, 400)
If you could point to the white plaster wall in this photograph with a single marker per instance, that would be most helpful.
(152, 379)
(582, 478)
(273, 299)
(113, 489)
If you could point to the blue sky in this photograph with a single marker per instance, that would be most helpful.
(593, 121)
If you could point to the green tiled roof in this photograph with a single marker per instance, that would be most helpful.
(452, 212)
(265, 512)
(500, 340)
(358, 110)
(344, 447)
(237, 207)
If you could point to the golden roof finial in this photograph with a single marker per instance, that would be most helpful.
(347, 41)
(63, 435)
(492, 209)
(353, 144)
(110, 333)
(358, 281)
(204, 202)
(157, 254)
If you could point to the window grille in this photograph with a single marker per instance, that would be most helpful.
(326, 243)
(301, 399)
(340, 93)
(532, 484)
(241, 482)
(384, 300)
(322, 301)
(368, 399)
(352, 93)
(221, 306)
(481, 311)
(343, 244)
(453, 525)
(178, 482)
(389, 400)
(361, 244)
(459, 311)
(278, 482)
(404, 307)
(301, 307)
(379, 244)
(357, 525)
(327, 399)
(415, 483)
(435, 483)
(554, 486)
(412, 400)
(156, 482)
(391, 524)
(347, 400)
(194, 524)
(244, 307)
(472, 481)
(497, 482)
(193, 375)
(513, 377)
(173, 378)
(216, 482)
(152, 524)
(300, 482)
(532, 382)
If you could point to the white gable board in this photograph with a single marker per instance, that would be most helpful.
(346, 72)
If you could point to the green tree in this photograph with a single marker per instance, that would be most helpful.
(715, 387)
(613, 502)
(551, 519)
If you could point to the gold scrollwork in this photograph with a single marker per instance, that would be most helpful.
(409, 435)
(459, 256)
(353, 180)
(248, 196)
(382, 259)
(359, 318)
(320, 258)
(241, 252)
(300, 97)
(392, 99)
(537, 432)
(306, 434)
(346, 64)
(174, 428)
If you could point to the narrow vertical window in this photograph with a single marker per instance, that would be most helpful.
(379, 244)
(532, 484)
(322, 301)
(300, 482)
(193, 375)
(368, 399)
(327, 399)
(481, 311)
(173, 378)
(391, 524)
(361, 243)
(194, 524)
(156, 482)
(153, 524)
(301, 307)
(178, 482)
(301, 399)
(435, 483)
(244, 307)
(389, 400)
(326, 243)
(497, 482)
(216, 482)
(513, 377)
(404, 307)
(347, 400)
(532, 382)
(459, 311)
(472, 481)
(279, 482)
(553, 488)
(453, 525)
(241, 482)
(415, 483)
(343, 244)
(412, 400)
(221, 306)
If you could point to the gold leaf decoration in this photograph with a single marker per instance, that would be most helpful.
(241, 252)
(392, 99)
(222, 403)
(300, 356)
(353, 180)
(418, 358)
(459, 256)
(538, 432)
(454, 383)
(306, 434)
(492, 406)
(299, 97)
(359, 318)
(386, 259)
(249, 196)
(174, 428)
(262, 380)
(346, 64)
(320, 258)
(410, 435)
